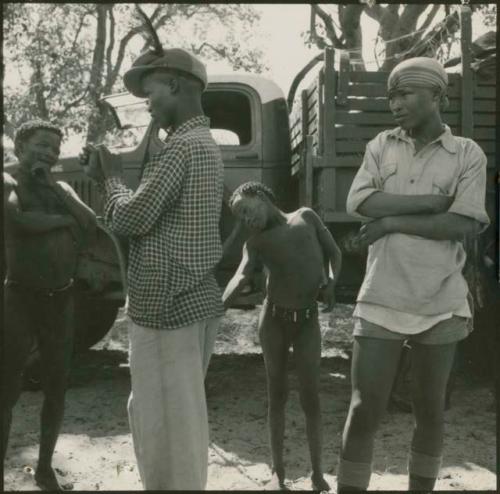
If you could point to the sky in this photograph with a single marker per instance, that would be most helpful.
(279, 36)
(282, 25)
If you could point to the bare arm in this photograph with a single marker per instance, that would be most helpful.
(329, 246)
(381, 204)
(33, 222)
(444, 226)
(247, 266)
(85, 216)
(332, 253)
(367, 199)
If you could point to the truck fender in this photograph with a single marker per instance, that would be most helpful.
(121, 255)
(102, 266)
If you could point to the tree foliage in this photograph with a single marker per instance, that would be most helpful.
(405, 30)
(61, 59)
(488, 13)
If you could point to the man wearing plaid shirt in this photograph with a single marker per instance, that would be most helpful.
(174, 306)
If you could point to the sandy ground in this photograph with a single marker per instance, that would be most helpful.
(95, 451)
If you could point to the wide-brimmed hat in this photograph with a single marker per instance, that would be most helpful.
(173, 58)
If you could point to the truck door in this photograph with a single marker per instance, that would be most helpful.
(235, 120)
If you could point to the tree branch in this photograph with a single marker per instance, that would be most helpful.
(451, 25)
(82, 20)
(408, 19)
(156, 12)
(73, 104)
(329, 27)
(220, 51)
(429, 18)
(121, 53)
(313, 35)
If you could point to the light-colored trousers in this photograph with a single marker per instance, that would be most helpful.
(167, 407)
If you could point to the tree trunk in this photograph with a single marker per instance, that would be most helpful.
(349, 16)
(37, 88)
(403, 25)
(96, 128)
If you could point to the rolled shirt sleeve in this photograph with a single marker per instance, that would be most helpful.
(365, 183)
(470, 194)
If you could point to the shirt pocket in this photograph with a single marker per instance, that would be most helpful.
(443, 183)
(388, 178)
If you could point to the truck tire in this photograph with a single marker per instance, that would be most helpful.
(94, 317)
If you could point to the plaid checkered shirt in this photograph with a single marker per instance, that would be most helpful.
(172, 222)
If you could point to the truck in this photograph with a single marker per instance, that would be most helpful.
(307, 146)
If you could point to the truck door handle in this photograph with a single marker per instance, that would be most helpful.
(247, 156)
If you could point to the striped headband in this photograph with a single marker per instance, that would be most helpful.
(419, 72)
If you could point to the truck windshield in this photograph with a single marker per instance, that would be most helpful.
(130, 112)
(229, 112)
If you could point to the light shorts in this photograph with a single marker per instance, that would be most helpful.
(448, 331)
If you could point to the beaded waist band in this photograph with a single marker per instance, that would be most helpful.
(292, 315)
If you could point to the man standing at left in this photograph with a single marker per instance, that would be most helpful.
(45, 224)
(174, 302)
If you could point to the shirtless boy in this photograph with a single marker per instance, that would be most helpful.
(45, 222)
(295, 248)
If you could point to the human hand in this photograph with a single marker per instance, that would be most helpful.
(372, 231)
(89, 160)
(439, 203)
(327, 295)
(41, 171)
(350, 243)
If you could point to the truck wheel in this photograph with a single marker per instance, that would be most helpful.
(94, 317)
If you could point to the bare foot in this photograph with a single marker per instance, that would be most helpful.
(276, 483)
(319, 483)
(46, 479)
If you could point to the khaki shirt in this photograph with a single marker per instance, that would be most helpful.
(407, 272)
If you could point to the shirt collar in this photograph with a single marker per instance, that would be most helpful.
(447, 139)
(198, 121)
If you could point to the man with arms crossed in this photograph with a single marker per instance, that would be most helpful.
(172, 223)
(423, 190)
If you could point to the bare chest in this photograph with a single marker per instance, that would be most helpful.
(33, 197)
(286, 245)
